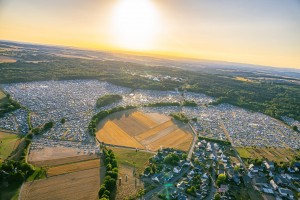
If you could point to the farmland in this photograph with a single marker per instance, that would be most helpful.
(73, 167)
(272, 154)
(137, 159)
(9, 142)
(130, 161)
(51, 156)
(140, 130)
(78, 185)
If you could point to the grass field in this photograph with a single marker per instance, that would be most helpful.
(78, 185)
(272, 154)
(132, 158)
(139, 130)
(129, 160)
(8, 143)
(73, 167)
(2, 95)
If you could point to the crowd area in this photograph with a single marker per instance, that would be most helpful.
(75, 100)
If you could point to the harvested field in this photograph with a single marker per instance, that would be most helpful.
(139, 130)
(6, 59)
(73, 167)
(113, 134)
(61, 161)
(78, 185)
(50, 156)
(272, 154)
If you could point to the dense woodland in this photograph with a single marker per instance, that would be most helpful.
(274, 99)
(108, 99)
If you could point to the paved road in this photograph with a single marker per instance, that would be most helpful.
(193, 144)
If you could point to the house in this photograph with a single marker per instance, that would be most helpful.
(168, 176)
(223, 188)
(236, 179)
(273, 184)
(267, 166)
(212, 156)
(176, 170)
(268, 190)
(286, 193)
(255, 169)
(271, 164)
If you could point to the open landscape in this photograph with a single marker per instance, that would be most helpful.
(138, 130)
(149, 100)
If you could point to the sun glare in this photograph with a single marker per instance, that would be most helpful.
(135, 24)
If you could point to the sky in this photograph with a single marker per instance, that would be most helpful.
(263, 32)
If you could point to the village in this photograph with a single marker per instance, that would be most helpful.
(216, 170)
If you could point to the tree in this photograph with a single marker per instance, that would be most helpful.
(48, 125)
(101, 190)
(63, 120)
(217, 196)
(295, 128)
(221, 179)
(171, 159)
(236, 168)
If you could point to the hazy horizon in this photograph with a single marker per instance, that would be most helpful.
(262, 33)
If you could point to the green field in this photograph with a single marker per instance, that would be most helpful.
(8, 143)
(2, 97)
(272, 154)
(132, 158)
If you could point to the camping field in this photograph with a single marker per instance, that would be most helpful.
(139, 130)
(8, 143)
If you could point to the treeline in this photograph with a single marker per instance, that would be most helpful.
(215, 140)
(111, 175)
(15, 172)
(180, 117)
(189, 103)
(8, 105)
(108, 99)
(101, 115)
(38, 130)
(162, 104)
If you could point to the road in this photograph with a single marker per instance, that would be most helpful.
(193, 144)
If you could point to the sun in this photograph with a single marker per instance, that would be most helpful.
(135, 24)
